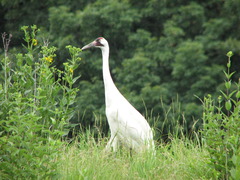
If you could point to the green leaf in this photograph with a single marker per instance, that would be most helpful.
(234, 102)
(228, 76)
(230, 95)
(229, 64)
(75, 79)
(228, 105)
(228, 84)
(238, 94)
(224, 94)
(231, 74)
(230, 54)
(233, 173)
(53, 120)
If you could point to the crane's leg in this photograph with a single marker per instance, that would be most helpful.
(112, 143)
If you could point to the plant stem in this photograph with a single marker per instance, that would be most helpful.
(6, 42)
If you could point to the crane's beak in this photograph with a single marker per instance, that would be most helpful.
(92, 44)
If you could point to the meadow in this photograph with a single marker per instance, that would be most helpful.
(37, 103)
(181, 159)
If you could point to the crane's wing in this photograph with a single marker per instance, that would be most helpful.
(129, 125)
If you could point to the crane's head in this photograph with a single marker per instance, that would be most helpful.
(99, 43)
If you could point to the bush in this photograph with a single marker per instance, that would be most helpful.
(221, 133)
(36, 106)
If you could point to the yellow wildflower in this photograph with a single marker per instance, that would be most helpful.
(49, 59)
(34, 42)
(71, 70)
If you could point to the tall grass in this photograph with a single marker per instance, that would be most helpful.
(181, 159)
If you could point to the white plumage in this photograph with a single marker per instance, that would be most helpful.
(128, 127)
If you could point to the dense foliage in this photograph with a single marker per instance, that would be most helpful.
(167, 57)
(160, 50)
(35, 108)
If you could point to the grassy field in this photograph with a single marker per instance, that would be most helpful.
(181, 159)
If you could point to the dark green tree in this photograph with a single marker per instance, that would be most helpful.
(163, 53)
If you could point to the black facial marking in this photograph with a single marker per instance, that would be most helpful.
(98, 43)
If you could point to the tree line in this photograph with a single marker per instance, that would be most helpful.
(164, 55)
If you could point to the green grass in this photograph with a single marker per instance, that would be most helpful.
(181, 159)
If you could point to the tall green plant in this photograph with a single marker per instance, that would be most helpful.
(37, 100)
(221, 133)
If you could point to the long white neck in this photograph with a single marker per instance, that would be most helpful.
(109, 86)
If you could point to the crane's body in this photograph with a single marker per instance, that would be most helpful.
(128, 127)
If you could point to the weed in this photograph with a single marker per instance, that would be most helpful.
(221, 133)
(35, 108)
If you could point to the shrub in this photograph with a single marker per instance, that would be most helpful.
(36, 106)
(221, 128)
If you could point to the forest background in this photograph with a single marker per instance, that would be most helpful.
(177, 62)
(164, 55)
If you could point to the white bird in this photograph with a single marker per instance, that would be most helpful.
(128, 127)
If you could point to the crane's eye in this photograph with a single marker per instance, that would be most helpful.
(98, 42)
